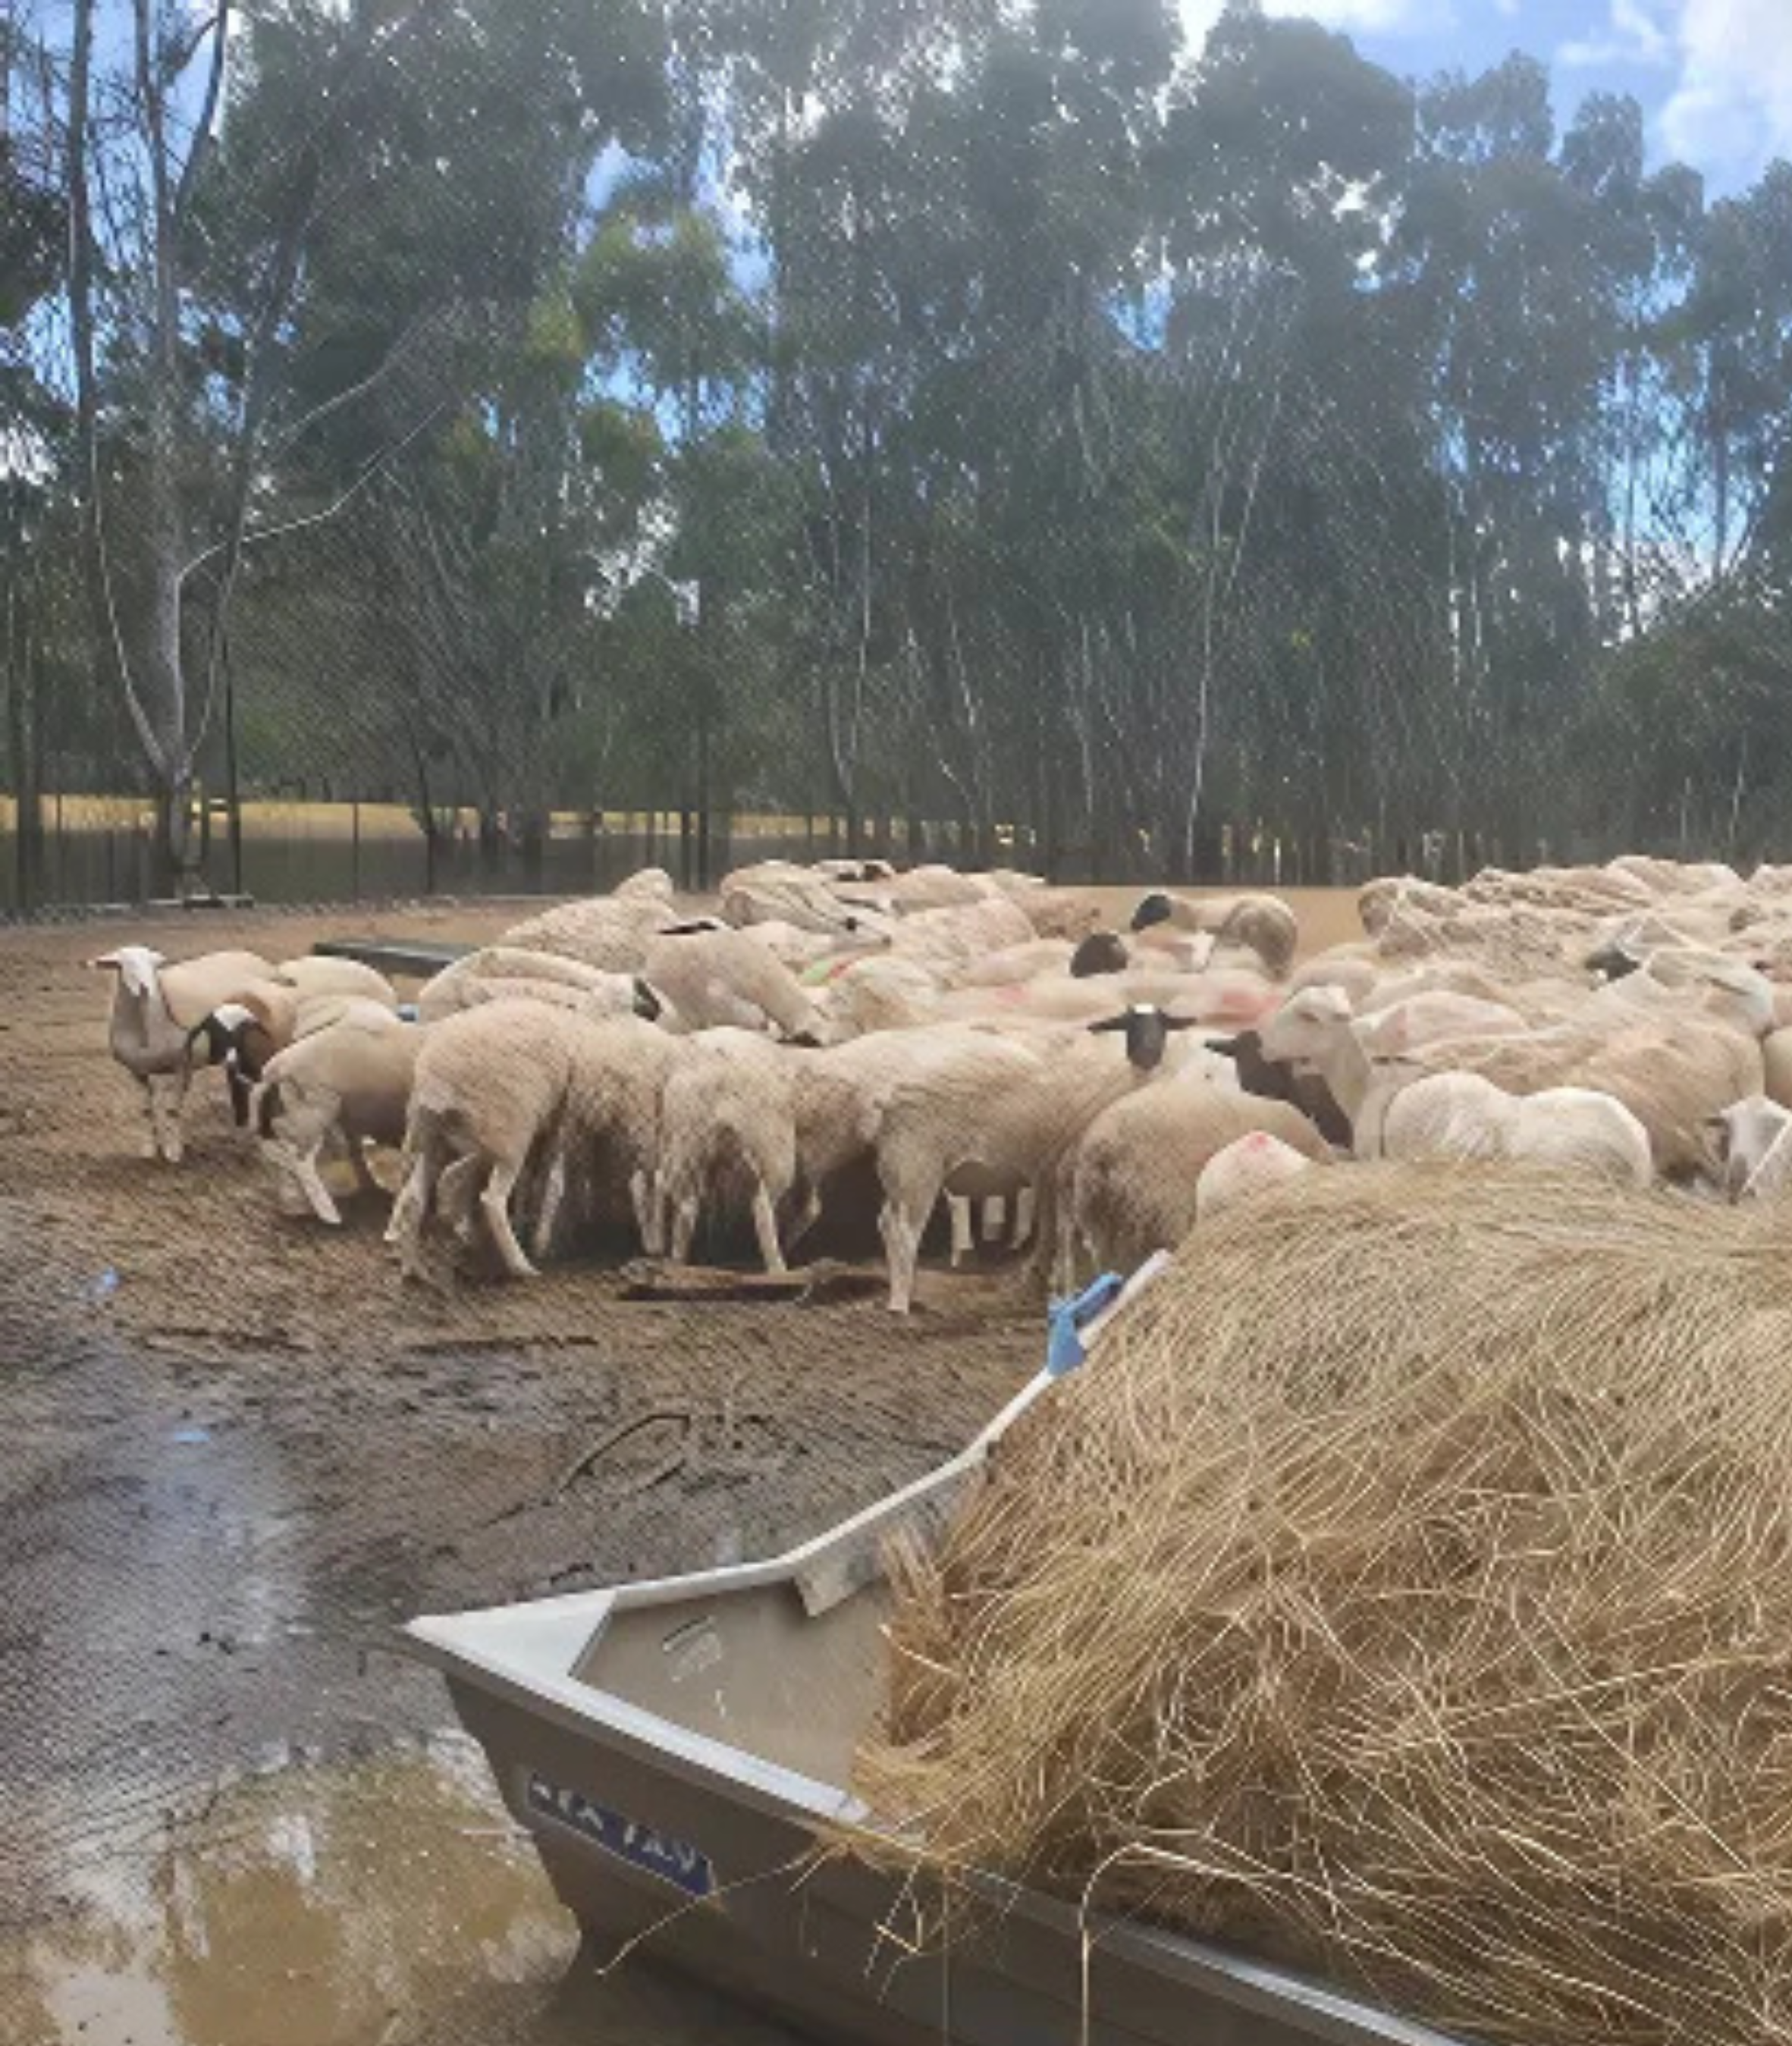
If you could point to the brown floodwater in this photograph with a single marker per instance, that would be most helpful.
(389, 1904)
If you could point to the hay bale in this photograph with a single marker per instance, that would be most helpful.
(1403, 1593)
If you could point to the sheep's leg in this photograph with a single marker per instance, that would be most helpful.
(495, 1202)
(365, 1181)
(1024, 1206)
(684, 1212)
(173, 1108)
(963, 1240)
(648, 1199)
(411, 1205)
(901, 1244)
(994, 1217)
(765, 1223)
(152, 1144)
(553, 1194)
(456, 1194)
(303, 1165)
(1064, 1262)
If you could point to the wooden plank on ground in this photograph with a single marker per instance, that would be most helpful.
(647, 1279)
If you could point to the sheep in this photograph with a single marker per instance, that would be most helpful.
(1263, 923)
(1240, 1171)
(1425, 1018)
(1752, 1150)
(1776, 1067)
(1070, 913)
(158, 1011)
(1030, 960)
(1101, 952)
(318, 974)
(728, 1113)
(1275, 1080)
(496, 971)
(775, 891)
(721, 977)
(946, 940)
(608, 932)
(1132, 1176)
(1462, 1115)
(513, 1083)
(990, 1115)
(350, 1078)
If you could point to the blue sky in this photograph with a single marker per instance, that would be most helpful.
(1714, 76)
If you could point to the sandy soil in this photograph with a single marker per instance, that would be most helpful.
(237, 1452)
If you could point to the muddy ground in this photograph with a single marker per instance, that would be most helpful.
(235, 1453)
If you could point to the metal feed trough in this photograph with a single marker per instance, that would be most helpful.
(407, 956)
(672, 1748)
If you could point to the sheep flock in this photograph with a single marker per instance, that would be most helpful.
(853, 1042)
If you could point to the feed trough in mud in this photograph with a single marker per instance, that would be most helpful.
(673, 1748)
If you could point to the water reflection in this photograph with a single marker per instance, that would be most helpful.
(391, 1904)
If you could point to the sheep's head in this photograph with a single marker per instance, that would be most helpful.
(1739, 992)
(1737, 1140)
(1147, 1029)
(1153, 908)
(135, 965)
(1102, 951)
(1306, 1026)
(1614, 961)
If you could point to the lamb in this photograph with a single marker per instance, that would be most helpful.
(1263, 923)
(1462, 1115)
(351, 1080)
(1240, 1171)
(711, 978)
(1132, 1177)
(158, 1013)
(728, 1114)
(505, 970)
(514, 1083)
(608, 932)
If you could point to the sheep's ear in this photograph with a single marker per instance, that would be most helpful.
(1228, 1048)
(1110, 1023)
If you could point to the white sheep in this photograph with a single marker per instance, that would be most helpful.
(728, 1125)
(348, 1081)
(1570, 1130)
(1248, 1166)
(1753, 1154)
(158, 1010)
(609, 932)
(496, 971)
(515, 1084)
(715, 977)
(1128, 1185)
(773, 891)
(990, 1115)
(1263, 923)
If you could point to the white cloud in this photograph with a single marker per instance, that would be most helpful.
(1199, 16)
(1731, 109)
(1634, 34)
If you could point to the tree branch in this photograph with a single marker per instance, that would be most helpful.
(208, 112)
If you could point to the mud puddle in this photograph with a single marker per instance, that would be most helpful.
(391, 1904)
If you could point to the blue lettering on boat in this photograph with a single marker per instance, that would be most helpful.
(687, 1868)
